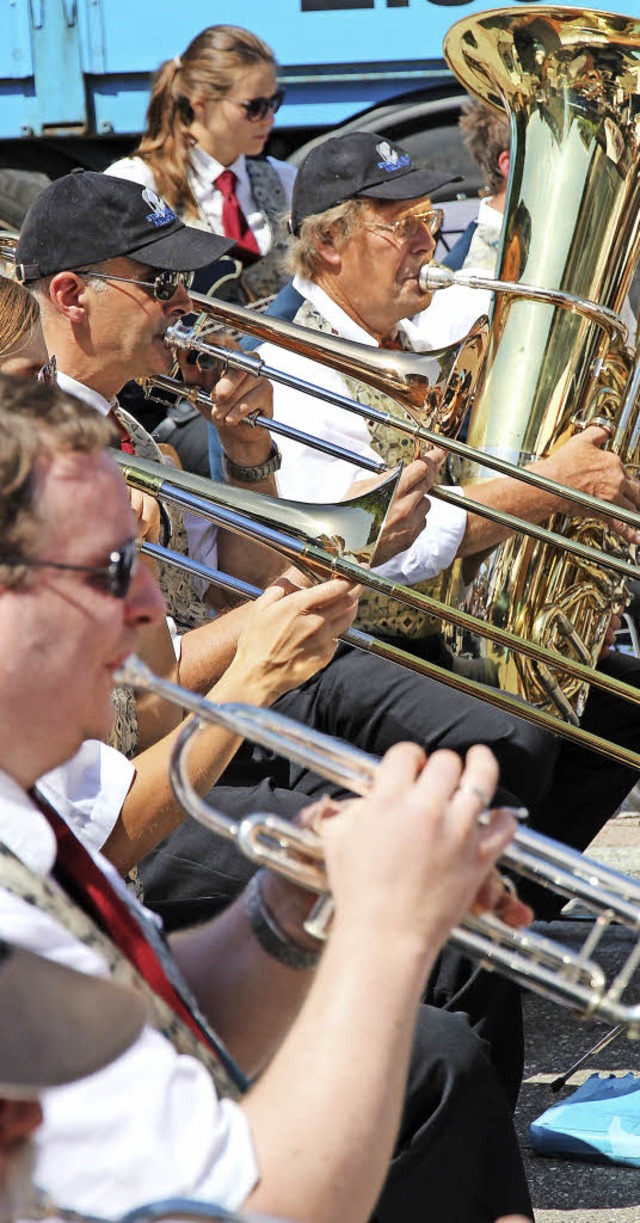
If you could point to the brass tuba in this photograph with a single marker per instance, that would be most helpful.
(570, 80)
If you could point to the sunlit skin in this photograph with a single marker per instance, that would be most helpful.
(372, 276)
(116, 334)
(28, 356)
(62, 630)
(221, 126)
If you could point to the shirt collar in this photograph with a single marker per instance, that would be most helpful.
(206, 169)
(86, 393)
(24, 829)
(342, 323)
(490, 216)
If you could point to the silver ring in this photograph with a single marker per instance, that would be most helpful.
(469, 788)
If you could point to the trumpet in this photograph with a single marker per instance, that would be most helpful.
(246, 514)
(571, 979)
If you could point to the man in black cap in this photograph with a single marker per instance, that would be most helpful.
(363, 226)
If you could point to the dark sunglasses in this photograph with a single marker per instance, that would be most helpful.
(258, 108)
(114, 579)
(163, 287)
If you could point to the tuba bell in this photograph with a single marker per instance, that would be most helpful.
(569, 79)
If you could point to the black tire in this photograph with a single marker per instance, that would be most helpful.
(18, 190)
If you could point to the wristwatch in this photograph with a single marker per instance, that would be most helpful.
(253, 475)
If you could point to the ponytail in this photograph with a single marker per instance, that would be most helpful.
(207, 67)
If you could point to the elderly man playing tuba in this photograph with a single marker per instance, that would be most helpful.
(363, 226)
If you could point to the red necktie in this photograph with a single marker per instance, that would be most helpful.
(126, 444)
(83, 881)
(234, 221)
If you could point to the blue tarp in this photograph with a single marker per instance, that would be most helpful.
(600, 1122)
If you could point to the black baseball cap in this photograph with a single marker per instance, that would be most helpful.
(358, 164)
(86, 217)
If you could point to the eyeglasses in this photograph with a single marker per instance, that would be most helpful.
(114, 579)
(258, 108)
(407, 228)
(163, 287)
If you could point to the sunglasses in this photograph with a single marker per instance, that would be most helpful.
(259, 108)
(163, 287)
(114, 579)
(406, 229)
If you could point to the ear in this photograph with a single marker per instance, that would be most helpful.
(328, 251)
(504, 161)
(68, 294)
(198, 106)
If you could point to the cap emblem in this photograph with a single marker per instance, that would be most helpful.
(391, 158)
(161, 214)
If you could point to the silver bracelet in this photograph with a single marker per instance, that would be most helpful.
(252, 475)
(270, 934)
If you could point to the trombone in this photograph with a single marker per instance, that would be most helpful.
(435, 387)
(571, 979)
(319, 548)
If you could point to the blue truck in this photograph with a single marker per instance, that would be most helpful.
(74, 74)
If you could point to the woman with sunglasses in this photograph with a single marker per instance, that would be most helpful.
(209, 117)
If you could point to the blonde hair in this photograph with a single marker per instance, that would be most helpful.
(207, 67)
(19, 313)
(335, 226)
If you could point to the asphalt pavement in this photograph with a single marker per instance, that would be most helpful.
(568, 1191)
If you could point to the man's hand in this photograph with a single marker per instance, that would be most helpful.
(147, 512)
(614, 624)
(413, 857)
(582, 463)
(290, 634)
(234, 396)
(410, 506)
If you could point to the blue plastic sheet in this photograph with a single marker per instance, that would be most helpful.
(600, 1122)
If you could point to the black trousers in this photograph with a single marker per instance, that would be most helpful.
(369, 702)
(571, 792)
(457, 1158)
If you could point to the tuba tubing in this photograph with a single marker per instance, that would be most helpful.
(570, 979)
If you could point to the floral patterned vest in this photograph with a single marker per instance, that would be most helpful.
(379, 613)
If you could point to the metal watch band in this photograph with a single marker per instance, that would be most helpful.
(252, 475)
(269, 933)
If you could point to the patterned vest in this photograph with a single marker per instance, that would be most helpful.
(183, 604)
(19, 880)
(377, 612)
(267, 275)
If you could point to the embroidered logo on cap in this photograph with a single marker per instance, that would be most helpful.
(162, 214)
(391, 158)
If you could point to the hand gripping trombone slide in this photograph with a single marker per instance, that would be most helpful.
(572, 979)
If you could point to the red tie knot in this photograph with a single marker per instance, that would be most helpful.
(226, 183)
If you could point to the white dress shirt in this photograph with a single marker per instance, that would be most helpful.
(453, 311)
(309, 475)
(148, 1126)
(89, 790)
(203, 172)
(201, 533)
